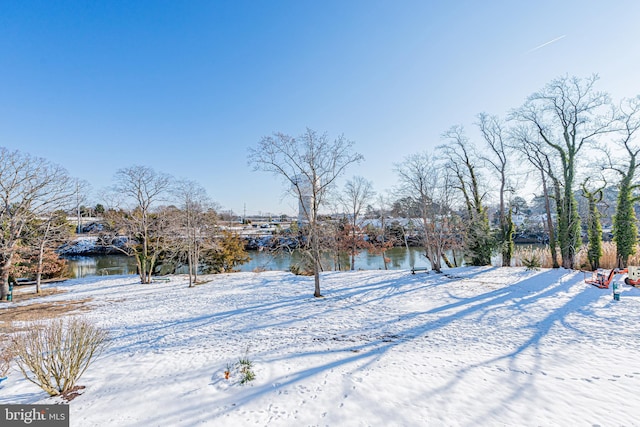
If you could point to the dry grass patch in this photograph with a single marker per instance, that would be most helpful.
(25, 293)
(39, 311)
(542, 255)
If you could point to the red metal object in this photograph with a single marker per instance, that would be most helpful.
(601, 279)
(635, 283)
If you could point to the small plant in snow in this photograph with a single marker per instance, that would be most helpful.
(242, 368)
(246, 372)
(532, 262)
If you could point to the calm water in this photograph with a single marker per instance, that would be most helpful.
(400, 258)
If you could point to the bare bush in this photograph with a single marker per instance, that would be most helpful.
(54, 355)
(6, 355)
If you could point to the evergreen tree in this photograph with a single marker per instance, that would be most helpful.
(594, 226)
(505, 238)
(479, 242)
(229, 254)
(625, 230)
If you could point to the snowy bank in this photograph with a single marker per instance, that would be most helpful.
(475, 346)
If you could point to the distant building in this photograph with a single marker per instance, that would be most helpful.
(303, 188)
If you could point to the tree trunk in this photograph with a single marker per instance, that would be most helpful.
(315, 248)
(6, 266)
(447, 261)
(4, 286)
(550, 228)
(39, 268)
(190, 265)
(196, 261)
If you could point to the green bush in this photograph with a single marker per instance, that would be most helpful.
(532, 262)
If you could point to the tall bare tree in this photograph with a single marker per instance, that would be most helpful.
(494, 134)
(142, 189)
(625, 228)
(462, 162)
(309, 165)
(81, 195)
(195, 224)
(568, 114)
(357, 193)
(425, 182)
(29, 187)
(533, 150)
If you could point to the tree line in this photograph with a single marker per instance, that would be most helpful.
(162, 222)
(566, 137)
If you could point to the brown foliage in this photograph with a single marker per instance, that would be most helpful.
(25, 264)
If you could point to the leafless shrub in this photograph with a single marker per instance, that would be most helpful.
(54, 355)
(6, 355)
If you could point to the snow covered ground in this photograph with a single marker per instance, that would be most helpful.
(475, 346)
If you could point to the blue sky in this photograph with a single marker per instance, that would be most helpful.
(186, 87)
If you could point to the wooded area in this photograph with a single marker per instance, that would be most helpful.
(569, 142)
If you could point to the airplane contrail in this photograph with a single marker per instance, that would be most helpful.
(547, 43)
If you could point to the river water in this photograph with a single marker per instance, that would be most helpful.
(398, 258)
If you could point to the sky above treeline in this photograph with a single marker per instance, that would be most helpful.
(188, 87)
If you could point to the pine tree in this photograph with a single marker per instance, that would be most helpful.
(479, 242)
(625, 230)
(229, 254)
(594, 226)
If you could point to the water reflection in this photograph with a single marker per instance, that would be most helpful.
(101, 265)
(398, 258)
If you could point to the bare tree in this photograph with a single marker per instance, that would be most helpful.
(382, 242)
(142, 188)
(194, 224)
(568, 114)
(425, 182)
(81, 190)
(29, 187)
(625, 228)
(47, 233)
(358, 191)
(492, 129)
(462, 162)
(309, 165)
(533, 150)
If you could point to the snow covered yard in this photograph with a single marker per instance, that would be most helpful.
(474, 346)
